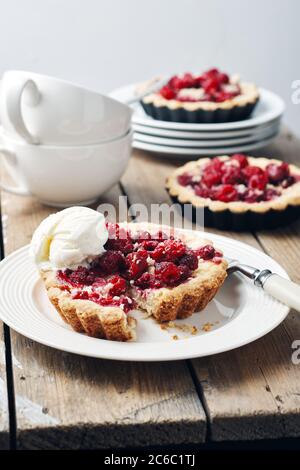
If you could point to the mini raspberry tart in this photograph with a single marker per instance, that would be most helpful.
(239, 192)
(210, 97)
(168, 273)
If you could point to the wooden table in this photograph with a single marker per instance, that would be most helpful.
(57, 400)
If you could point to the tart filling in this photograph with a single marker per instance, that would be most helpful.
(134, 264)
(239, 183)
(210, 91)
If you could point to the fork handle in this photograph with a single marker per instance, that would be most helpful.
(282, 289)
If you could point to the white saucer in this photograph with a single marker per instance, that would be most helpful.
(161, 132)
(211, 142)
(239, 314)
(170, 152)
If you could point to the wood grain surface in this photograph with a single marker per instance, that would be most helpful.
(253, 392)
(68, 401)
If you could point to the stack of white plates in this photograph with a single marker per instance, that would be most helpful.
(193, 140)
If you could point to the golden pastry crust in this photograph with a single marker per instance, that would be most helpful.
(163, 304)
(289, 196)
(88, 317)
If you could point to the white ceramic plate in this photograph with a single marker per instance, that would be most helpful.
(171, 152)
(269, 107)
(212, 142)
(177, 134)
(239, 314)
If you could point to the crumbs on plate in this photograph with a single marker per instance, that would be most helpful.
(186, 328)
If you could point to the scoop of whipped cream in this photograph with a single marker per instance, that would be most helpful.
(69, 238)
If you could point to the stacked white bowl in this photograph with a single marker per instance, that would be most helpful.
(61, 143)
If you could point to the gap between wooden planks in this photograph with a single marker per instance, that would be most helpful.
(252, 392)
(4, 413)
(68, 401)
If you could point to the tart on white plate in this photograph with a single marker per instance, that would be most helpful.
(95, 272)
(211, 97)
(239, 192)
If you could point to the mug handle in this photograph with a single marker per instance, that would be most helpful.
(13, 106)
(19, 190)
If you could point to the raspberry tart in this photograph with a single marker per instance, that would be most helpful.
(239, 192)
(170, 274)
(210, 97)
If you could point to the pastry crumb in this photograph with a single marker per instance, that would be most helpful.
(175, 337)
(207, 326)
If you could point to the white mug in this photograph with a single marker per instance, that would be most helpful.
(64, 176)
(48, 111)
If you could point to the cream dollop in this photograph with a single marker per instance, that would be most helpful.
(69, 238)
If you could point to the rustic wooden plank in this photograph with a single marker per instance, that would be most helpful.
(4, 407)
(4, 413)
(283, 245)
(69, 401)
(239, 400)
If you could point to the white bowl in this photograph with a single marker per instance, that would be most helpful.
(64, 175)
(49, 111)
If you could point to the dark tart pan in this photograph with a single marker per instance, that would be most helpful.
(247, 221)
(163, 113)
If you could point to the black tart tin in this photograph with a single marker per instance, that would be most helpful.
(163, 113)
(246, 221)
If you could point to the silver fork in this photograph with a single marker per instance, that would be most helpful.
(282, 289)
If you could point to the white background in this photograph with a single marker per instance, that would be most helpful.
(106, 43)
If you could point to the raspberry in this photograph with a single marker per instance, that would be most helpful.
(241, 158)
(170, 274)
(231, 175)
(202, 191)
(214, 164)
(77, 277)
(136, 263)
(225, 193)
(111, 262)
(210, 85)
(190, 260)
(149, 245)
(249, 171)
(223, 78)
(167, 93)
(211, 178)
(175, 83)
(186, 179)
(118, 239)
(258, 181)
(169, 250)
(158, 253)
(277, 173)
(148, 281)
(206, 252)
(188, 81)
(119, 285)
